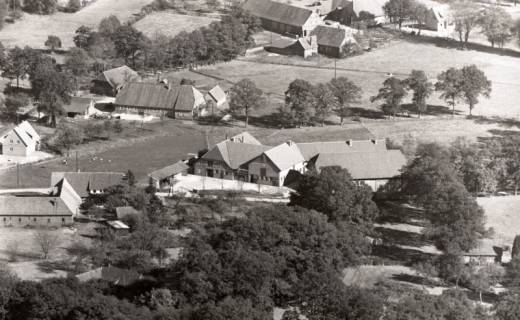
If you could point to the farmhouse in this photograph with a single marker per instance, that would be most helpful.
(283, 18)
(86, 183)
(165, 177)
(332, 40)
(158, 99)
(44, 210)
(373, 168)
(21, 140)
(80, 107)
(485, 253)
(303, 47)
(438, 20)
(110, 82)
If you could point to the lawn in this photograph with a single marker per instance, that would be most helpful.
(32, 30)
(169, 143)
(369, 71)
(170, 24)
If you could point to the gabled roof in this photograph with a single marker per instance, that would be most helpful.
(117, 225)
(171, 170)
(245, 137)
(285, 156)
(26, 126)
(311, 149)
(117, 77)
(24, 136)
(33, 206)
(234, 154)
(147, 95)
(83, 182)
(485, 247)
(330, 36)
(278, 12)
(121, 277)
(365, 165)
(375, 7)
(218, 95)
(77, 105)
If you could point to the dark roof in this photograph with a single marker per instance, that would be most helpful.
(330, 36)
(149, 95)
(117, 77)
(484, 248)
(282, 43)
(365, 165)
(77, 105)
(235, 154)
(83, 182)
(33, 206)
(311, 149)
(171, 170)
(114, 275)
(279, 12)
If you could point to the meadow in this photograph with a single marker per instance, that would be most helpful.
(170, 24)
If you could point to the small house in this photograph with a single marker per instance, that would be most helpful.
(486, 252)
(283, 18)
(216, 101)
(109, 82)
(165, 177)
(303, 47)
(20, 141)
(332, 40)
(86, 183)
(80, 108)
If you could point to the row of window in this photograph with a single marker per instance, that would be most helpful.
(34, 219)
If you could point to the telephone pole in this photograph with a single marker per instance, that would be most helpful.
(18, 175)
(77, 169)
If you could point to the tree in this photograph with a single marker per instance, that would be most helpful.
(77, 64)
(515, 251)
(392, 92)
(449, 82)
(131, 178)
(325, 100)
(484, 277)
(53, 42)
(108, 26)
(83, 37)
(47, 241)
(334, 193)
(399, 10)
(16, 65)
(66, 137)
(420, 13)
(300, 100)
(40, 6)
(497, 24)
(516, 29)
(128, 42)
(346, 93)
(474, 84)
(7, 284)
(13, 103)
(451, 268)
(508, 307)
(74, 5)
(244, 97)
(466, 15)
(422, 89)
(3, 12)
(52, 89)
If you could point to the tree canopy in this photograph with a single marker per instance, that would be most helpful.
(392, 92)
(244, 97)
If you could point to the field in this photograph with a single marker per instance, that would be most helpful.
(170, 24)
(503, 215)
(399, 58)
(32, 30)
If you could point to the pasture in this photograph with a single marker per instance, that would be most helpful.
(32, 30)
(170, 24)
(503, 215)
(370, 69)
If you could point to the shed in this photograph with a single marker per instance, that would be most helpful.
(164, 177)
(79, 107)
(111, 81)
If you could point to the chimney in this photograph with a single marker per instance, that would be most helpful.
(349, 142)
(290, 143)
(374, 141)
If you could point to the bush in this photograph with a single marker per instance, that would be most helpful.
(74, 5)
(40, 6)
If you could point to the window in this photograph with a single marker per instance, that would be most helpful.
(63, 220)
(263, 172)
(19, 219)
(5, 219)
(210, 163)
(49, 220)
(34, 219)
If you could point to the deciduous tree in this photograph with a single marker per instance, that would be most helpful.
(346, 93)
(466, 15)
(77, 64)
(399, 10)
(244, 97)
(392, 92)
(325, 101)
(449, 83)
(47, 241)
(497, 24)
(474, 84)
(82, 37)
(13, 103)
(300, 100)
(422, 89)
(16, 66)
(129, 43)
(53, 42)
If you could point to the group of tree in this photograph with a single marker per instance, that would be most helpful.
(220, 41)
(466, 84)
(306, 103)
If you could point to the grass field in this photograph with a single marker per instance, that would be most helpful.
(32, 30)
(503, 215)
(170, 24)
(400, 57)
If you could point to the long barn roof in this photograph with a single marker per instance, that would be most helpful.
(278, 12)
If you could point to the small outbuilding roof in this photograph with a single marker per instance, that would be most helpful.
(117, 77)
(278, 12)
(484, 248)
(169, 171)
(218, 95)
(330, 36)
(78, 105)
(117, 225)
(83, 182)
(365, 165)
